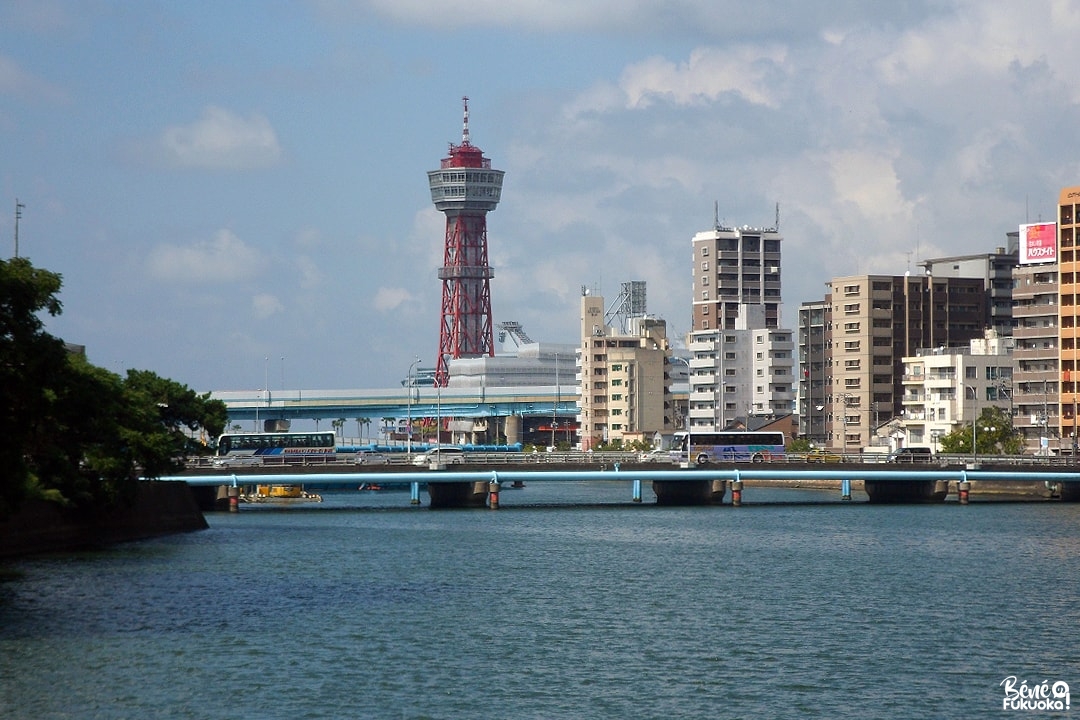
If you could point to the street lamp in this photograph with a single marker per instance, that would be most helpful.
(989, 430)
(974, 421)
(408, 423)
(845, 399)
(689, 426)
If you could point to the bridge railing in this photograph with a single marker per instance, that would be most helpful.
(612, 458)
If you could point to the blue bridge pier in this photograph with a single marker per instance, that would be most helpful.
(688, 486)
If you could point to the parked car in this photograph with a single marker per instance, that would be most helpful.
(369, 457)
(655, 455)
(911, 455)
(440, 455)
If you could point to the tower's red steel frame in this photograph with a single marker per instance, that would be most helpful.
(465, 188)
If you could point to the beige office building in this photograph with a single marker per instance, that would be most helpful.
(623, 378)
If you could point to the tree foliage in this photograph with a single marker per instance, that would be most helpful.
(74, 432)
(993, 435)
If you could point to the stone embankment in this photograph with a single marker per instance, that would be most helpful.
(160, 508)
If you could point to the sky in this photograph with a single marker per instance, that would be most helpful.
(235, 191)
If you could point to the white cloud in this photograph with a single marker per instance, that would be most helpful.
(264, 305)
(224, 258)
(15, 80)
(390, 299)
(706, 76)
(222, 140)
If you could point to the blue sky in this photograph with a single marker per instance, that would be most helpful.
(235, 192)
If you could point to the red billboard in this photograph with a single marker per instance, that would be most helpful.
(1038, 243)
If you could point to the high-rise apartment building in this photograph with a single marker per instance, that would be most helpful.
(815, 369)
(1068, 232)
(870, 324)
(741, 361)
(1035, 385)
(741, 372)
(735, 267)
(996, 271)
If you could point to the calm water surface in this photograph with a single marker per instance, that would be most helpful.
(794, 605)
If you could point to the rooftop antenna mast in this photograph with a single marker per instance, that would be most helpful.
(465, 122)
(18, 214)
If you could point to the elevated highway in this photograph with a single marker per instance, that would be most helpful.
(482, 402)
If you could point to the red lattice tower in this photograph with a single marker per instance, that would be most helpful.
(465, 188)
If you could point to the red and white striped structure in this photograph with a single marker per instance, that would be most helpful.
(465, 188)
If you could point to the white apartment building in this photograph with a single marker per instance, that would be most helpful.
(947, 388)
(742, 372)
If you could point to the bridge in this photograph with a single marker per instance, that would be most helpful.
(672, 485)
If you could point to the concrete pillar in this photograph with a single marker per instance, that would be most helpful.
(513, 429)
(736, 493)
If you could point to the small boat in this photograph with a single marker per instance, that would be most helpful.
(281, 491)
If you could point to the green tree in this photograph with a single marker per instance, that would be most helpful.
(74, 432)
(799, 445)
(362, 424)
(29, 360)
(994, 435)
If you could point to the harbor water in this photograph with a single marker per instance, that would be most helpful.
(569, 602)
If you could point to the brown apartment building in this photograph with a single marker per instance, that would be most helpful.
(855, 340)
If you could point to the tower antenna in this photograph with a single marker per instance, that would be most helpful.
(18, 214)
(465, 123)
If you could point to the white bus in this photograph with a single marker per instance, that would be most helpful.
(728, 446)
(254, 448)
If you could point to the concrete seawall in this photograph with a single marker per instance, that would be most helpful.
(160, 508)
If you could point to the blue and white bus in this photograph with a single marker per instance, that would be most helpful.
(728, 446)
(254, 448)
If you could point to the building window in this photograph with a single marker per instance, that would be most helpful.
(704, 294)
(704, 266)
(704, 251)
